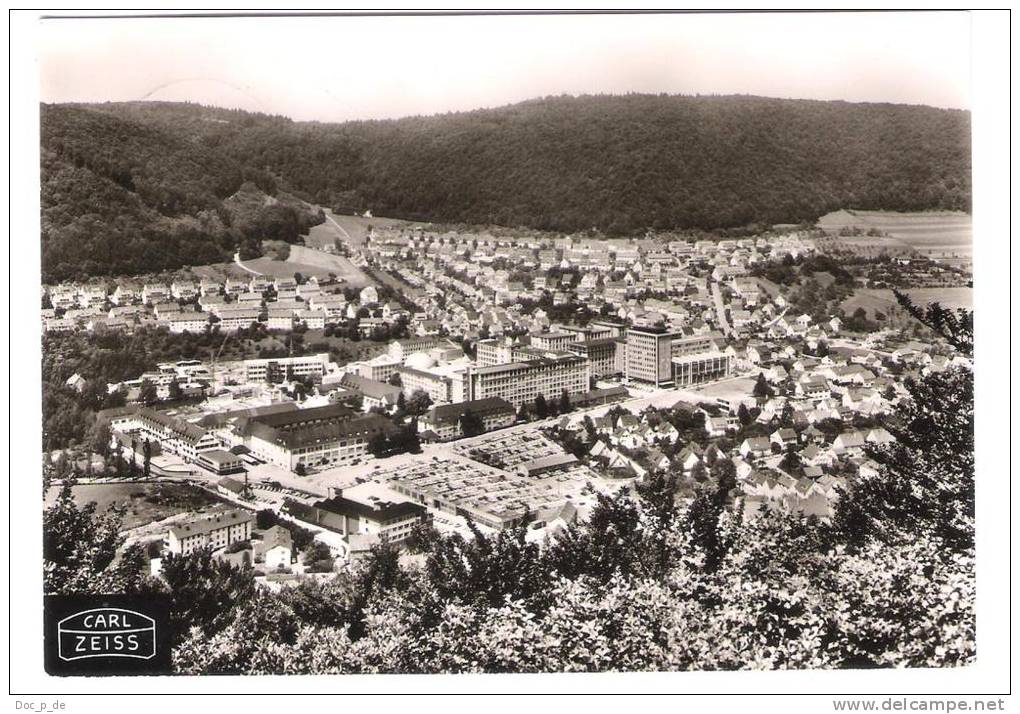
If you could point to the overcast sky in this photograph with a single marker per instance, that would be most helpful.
(335, 68)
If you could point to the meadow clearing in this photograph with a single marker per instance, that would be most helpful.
(943, 235)
(145, 502)
(884, 301)
(307, 261)
(353, 230)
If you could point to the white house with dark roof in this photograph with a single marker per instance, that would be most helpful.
(849, 441)
(183, 289)
(126, 294)
(153, 293)
(276, 549)
(755, 447)
(784, 437)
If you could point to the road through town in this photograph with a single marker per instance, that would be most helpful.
(720, 309)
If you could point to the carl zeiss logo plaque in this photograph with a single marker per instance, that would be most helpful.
(107, 635)
(106, 632)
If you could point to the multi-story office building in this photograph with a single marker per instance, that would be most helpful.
(598, 329)
(648, 355)
(220, 462)
(493, 351)
(695, 344)
(380, 368)
(390, 522)
(402, 349)
(662, 357)
(381, 395)
(440, 388)
(281, 369)
(553, 340)
(701, 367)
(600, 353)
(580, 334)
(521, 381)
(594, 330)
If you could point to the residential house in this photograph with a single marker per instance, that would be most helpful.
(126, 294)
(183, 289)
(373, 393)
(153, 293)
(312, 319)
(784, 438)
(276, 549)
(755, 447)
(716, 426)
(850, 441)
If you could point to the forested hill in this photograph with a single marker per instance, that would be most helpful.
(619, 163)
(121, 196)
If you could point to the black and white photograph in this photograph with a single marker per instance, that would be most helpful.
(474, 346)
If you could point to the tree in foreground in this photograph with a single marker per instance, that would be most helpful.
(541, 407)
(80, 546)
(762, 390)
(926, 484)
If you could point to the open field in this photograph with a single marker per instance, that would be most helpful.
(945, 235)
(306, 261)
(218, 271)
(262, 266)
(324, 263)
(145, 502)
(949, 297)
(883, 300)
(824, 278)
(871, 300)
(730, 389)
(351, 229)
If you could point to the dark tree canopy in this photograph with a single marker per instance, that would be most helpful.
(471, 423)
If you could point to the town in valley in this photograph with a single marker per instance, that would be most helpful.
(360, 390)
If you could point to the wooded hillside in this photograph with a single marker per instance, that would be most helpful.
(622, 164)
